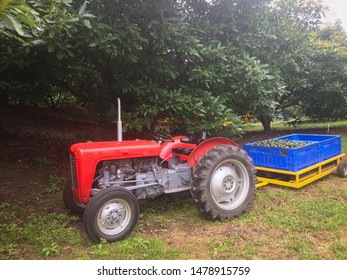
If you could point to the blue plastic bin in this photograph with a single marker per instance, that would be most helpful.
(320, 148)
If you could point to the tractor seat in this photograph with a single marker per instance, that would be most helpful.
(195, 138)
(183, 151)
(198, 137)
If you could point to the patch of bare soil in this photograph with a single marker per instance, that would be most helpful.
(34, 146)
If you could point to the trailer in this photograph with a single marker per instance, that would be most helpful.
(279, 164)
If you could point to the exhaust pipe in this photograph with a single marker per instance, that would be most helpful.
(119, 123)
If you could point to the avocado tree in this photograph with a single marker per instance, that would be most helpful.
(18, 23)
(326, 97)
(36, 65)
(199, 62)
(17, 20)
(283, 40)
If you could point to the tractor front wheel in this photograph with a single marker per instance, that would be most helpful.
(223, 182)
(112, 214)
(70, 202)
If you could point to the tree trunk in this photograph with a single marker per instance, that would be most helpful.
(266, 122)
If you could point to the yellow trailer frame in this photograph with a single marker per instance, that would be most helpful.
(299, 178)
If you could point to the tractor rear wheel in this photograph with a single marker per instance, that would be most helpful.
(112, 214)
(224, 182)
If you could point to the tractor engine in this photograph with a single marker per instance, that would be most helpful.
(143, 176)
(117, 173)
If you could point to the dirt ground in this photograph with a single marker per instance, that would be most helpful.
(34, 145)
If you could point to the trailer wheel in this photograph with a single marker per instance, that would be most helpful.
(342, 168)
(70, 202)
(224, 182)
(112, 214)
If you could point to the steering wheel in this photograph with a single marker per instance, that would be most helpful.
(159, 137)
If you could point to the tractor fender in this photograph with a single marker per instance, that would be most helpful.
(206, 145)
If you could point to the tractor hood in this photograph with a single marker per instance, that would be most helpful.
(115, 150)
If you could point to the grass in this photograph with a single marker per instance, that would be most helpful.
(281, 223)
(132, 248)
(294, 214)
(52, 236)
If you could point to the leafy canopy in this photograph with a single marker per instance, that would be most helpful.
(202, 63)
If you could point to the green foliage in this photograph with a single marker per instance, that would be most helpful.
(56, 184)
(38, 232)
(60, 23)
(52, 249)
(327, 96)
(144, 249)
(26, 79)
(9, 249)
(200, 62)
(101, 249)
(134, 248)
(17, 20)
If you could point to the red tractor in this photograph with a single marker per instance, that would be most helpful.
(109, 178)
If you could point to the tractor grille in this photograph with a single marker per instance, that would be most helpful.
(73, 170)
